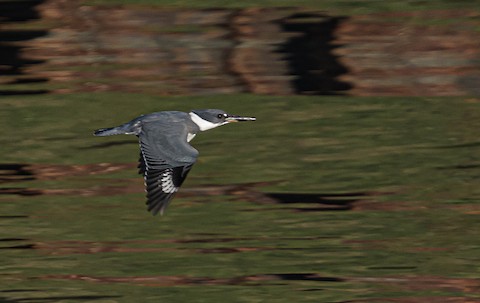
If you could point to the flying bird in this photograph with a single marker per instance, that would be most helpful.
(166, 156)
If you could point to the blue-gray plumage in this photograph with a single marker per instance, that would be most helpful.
(166, 157)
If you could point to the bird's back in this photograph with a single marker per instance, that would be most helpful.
(166, 133)
(168, 120)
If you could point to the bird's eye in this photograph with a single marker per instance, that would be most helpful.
(221, 116)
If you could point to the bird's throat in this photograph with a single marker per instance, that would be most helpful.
(202, 124)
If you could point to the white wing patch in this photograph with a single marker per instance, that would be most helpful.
(190, 137)
(167, 182)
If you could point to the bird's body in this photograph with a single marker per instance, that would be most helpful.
(166, 157)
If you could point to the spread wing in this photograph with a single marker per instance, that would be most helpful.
(165, 160)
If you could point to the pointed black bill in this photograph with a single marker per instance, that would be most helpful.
(233, 118)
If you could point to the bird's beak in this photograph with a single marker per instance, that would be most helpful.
(233, 118)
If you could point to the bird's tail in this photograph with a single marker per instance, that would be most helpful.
(109, 131)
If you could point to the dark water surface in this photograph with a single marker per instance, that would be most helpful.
(323, 199)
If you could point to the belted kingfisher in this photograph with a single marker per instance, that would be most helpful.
(166, 157)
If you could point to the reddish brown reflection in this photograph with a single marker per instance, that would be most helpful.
(137, 246)
(13, 172)
(80, 247)
(277, 51)
(421, 283)
(248, 192)
(163, 245)
(186, 280)
(405, 283)
(422, 299)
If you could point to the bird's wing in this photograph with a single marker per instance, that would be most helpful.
(161, 186)
(165, 160)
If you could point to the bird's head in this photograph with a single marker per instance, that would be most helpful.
(210, 118)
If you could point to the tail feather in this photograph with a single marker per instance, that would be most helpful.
(108, 131)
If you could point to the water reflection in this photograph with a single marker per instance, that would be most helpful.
(16, 172)
(369, 210)
(249, 192)
(79, 247)
(398, 282)
(311, 54)
(13, 61)
(276, 51)
(254, 280)
(32, 295)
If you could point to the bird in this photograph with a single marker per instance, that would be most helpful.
(166, 156)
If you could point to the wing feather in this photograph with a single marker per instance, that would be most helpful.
(165, 160)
